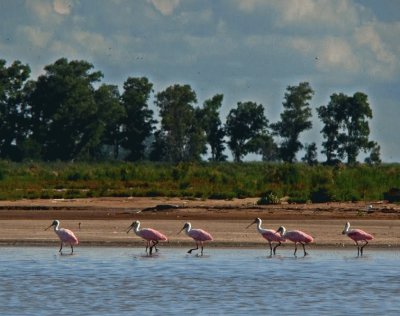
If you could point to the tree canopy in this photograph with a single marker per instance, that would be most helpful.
(68, 113)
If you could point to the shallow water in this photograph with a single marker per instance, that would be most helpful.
(121, 281)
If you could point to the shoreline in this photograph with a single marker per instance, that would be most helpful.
(103, 222)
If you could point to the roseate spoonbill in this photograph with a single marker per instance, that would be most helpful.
(151, 236)
(357, 235)
(66, 236)
(268, 234)
(199, 236)
(296, 236)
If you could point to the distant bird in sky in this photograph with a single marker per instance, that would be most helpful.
(357, 235)
(296, 236)
(151, 236)
(269, 235)
(66, 236)
(199, 236)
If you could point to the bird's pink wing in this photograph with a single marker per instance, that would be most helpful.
(152, 234)
(67, 236)
(200, 235)
(358, 234)
(271, 235)
(298, 236)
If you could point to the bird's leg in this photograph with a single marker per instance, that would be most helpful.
(72, 249)
(201, 248)
(304, 249)
(155, 242)
(295, 248)
(361, 249)
(270, 248)
(60, 247)
(279, 243)
(197, 247)
(147, 245)
(358, 248)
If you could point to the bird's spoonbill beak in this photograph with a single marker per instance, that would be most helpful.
(181, 230)
(129, 228)
(251, 223)
(49, 227)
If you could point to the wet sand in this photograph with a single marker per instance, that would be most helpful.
(104, 221)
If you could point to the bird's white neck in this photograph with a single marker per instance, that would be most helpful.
(136, 228)
(260, 230)
(56, 227)
(188, 228)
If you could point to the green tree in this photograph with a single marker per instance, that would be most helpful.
(295, 119)
(310, 156)
(375, 155)
(64, 111)
(267, 147)
(346, 128)
(138, 122)
(213, 127)
(110, 115)
(13, 110)
(180, 124)
(331, 115)
(244, 125)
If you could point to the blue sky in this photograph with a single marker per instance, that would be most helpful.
(249, 50)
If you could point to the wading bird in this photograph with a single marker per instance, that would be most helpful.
(357, 235)
(296, 236)
(199, 236)
(151, 236)
(66, 236)
(268, 234)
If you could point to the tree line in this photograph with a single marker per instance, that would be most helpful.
(69, 114)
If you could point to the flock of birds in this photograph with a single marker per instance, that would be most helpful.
(153, 237)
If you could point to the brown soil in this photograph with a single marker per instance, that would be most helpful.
(104, 221)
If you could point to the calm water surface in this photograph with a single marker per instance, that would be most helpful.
(122, 281)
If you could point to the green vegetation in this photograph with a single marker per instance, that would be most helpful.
(298, 183)
(69, 114)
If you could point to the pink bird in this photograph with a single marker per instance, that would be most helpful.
(357, 235)
(296, 236)
(199, 236)
(151, 236)
(268, 234)
(66, 236)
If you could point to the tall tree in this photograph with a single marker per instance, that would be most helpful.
(295, 119)
(111, 115)
(139, 122)
(346, 126)
(213, 127)
(310, 156)
(13, 118)
(244, 125)
(64, 111)
(180, 125)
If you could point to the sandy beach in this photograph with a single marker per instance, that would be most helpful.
(104, 221)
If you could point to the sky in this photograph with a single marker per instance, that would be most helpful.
(248, 50)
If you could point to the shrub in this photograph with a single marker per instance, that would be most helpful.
(268, 198)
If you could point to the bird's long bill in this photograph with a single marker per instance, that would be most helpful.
(129, 228)
(180, 231)
(48, 227)
(251, 224)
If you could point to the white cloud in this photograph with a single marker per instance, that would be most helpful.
(369, 37)
(330, 54)
(62, 7)
(249, 6)
(34, 35)
(166, 7)
(40, 8)
(325, 13)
